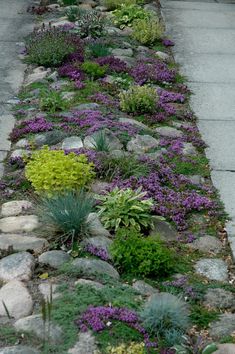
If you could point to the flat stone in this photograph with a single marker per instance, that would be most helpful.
(1, 170)
(19, 349)
(69, 96)
(130, 62)
(49, 138)
(122, 52)
(219, 298)
(227, 348)
(22, 143)
(22, 242)
(163, 230)
(3, 155)
(62, 23)
(163, 56)
(189, 149)
(73, 142)
(213, 269)
(46, 288)
(7, 122)
(15, 207)
(169, 132)
(17, 299)
(17, 266)
(98, 187)
(92, 267)
(86, 344)
(19, 153)
(87, 106)
(99, 242)
(144, 288)
(54, 259)
(112, 141)
(38, 75)
(58, 85)
(207, 244)
(223, 327)
(95, 227)
(35, 325)
(134, 122)
(24, 223)
(142, 143)
(87, 282)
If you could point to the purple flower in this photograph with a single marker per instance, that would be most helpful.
(168, 42)
(114, 64)
(97, 251)
(35, 125)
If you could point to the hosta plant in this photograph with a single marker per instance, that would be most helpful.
(125, 208)
(147, 31)
(51, 171)
(139, 99)
(125, 15)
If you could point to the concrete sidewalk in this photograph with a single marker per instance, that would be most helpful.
(15, 24)
(204, 35)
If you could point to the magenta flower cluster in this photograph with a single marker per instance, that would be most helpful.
(98, 318)
(35, 125)
(182, 283)
(113, 64)
(97, 251)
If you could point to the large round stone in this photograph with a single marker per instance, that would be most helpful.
(23, 223)
(15, 207)
(17, 266)
(54, 259)
(223, 327)
(92, 267)
(213, 269)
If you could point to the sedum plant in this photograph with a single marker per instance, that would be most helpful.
(125, 208)
(135, 254)
(52, 171)
(125, 15)
(68, 212)
(139, 99)
(147, 31)
(166, 316)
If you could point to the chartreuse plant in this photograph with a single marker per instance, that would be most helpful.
(125, 208)
(132, 348)
(68, 212)
(139, 99)
(52, 101)
(114, 4)
(148, 31)
(137, 255)
(51, 171)
(93, 70)
(125, 15)
(167, 317)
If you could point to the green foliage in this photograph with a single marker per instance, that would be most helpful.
(125, 15)
(68, 2)
(52, 101)
(91, 24)
(132, 348)
(114, 4)
(125, 208)
(147, 31)
(124, 166)
(202, 317)
(49, 47)
(100, 142)
(73, 13)
(98, 50)
(51, 171)
(139, 99)
(166, 316)
(134, 254)
(68, 212)
(93, 70)
(195, 166)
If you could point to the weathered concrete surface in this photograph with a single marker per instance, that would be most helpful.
(204, 35)
(15, 24)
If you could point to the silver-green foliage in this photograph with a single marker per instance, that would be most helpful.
(125, 208)
(139, 99)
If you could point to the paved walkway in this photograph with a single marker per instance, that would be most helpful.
(204, 34)
(14, 25)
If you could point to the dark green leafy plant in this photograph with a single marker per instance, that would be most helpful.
(91, 24)
(125, 208)
(125, 15)
(167, 317)
(93, 70)
(72, 13)
(134, 254)
(68, 213)
(49, 47)
(52, 101)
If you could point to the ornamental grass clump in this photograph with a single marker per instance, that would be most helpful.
(147, 31)
(51, 171)
(167, 317)
(49, 47)
(68, 213)
(135, 254)
(125, 208)
(139, 99)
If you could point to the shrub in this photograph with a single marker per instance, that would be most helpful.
(125, 208)
(147, 31)
(51, 171)
(73, 13)
(114, 4)
(166, 316)
(132, 348)
(93, 69)
(49, 47)
(51, 101)
(68, 212)
(91, 24)
(139, 99)
(125, 15)
(134, 254)
(98, 50)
